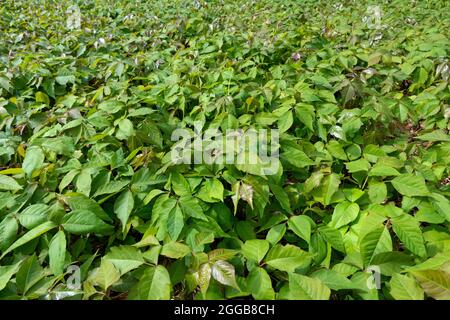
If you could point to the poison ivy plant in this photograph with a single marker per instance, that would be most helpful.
(92, 205)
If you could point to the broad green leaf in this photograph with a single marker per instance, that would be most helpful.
(435, 283)
(57, 253)
(408, 231)
(392, 262)
(106, 275)
(154, 284)
(111, 106)
(81, 202)
(358, 165)
(175, 222)
(330, 185)
(125, 258)
(333, 237)
(191, 207)
(336, 150)
(436, 135)
(7, 272)
(223, 272)
(123, 207)
(301, 226)
(281, 196)
(211, 191)
(375, 242)
(305, 288)
(255, 249)
(287, 258)
(180, 185)
(377, 191)
(8, 183)
(221, 254)
(175, 250)
(383, 171)
(84, 221)
(204, 276)
(29, 273)
(260, 285)
(405, 288)
(8, 232)
(334, 280)
(34, 159)
(344, 213)
(30, 235)
(410, 185)
(276, 233)
(33, 215)
(151, 195)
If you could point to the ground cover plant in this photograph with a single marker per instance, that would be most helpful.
(92, 207)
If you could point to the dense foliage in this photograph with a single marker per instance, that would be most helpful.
(358, 90)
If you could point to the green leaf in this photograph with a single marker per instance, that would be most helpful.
(255, 249)
(375, 242)
(111, 187)
(221, 254)
(204, 277)
(358, 165)
(305, 113)
(435, 283)
(408, 231)
(405, 288)
(29, 274)
(81, 202)
(436, 135)
(30, 235)
(223, 272)
(296, 157)
(211, 191)
(125, 129)
(306, 288)
(8, 183)
(260, 285)
(180, 185)
(383, 171)
(83, 183)
(175, 250)
(154, 284)
(287, 258)
(125, 258)
(410, 185)
(34, 159)
(111, 106)
(8, 232)
(281, 196)
(276, 233)
(175, 222)
(334, 280)
(151, 195)
(191, 207)
(123, 207)
(6, 273)
(301, 226)
(344, 213)
(392, 262)
(57, 253)
(377, 191)
(84, 221)
(33, 215)
(333, 237)
(330, 185)
(336, 150)
(106, 275)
